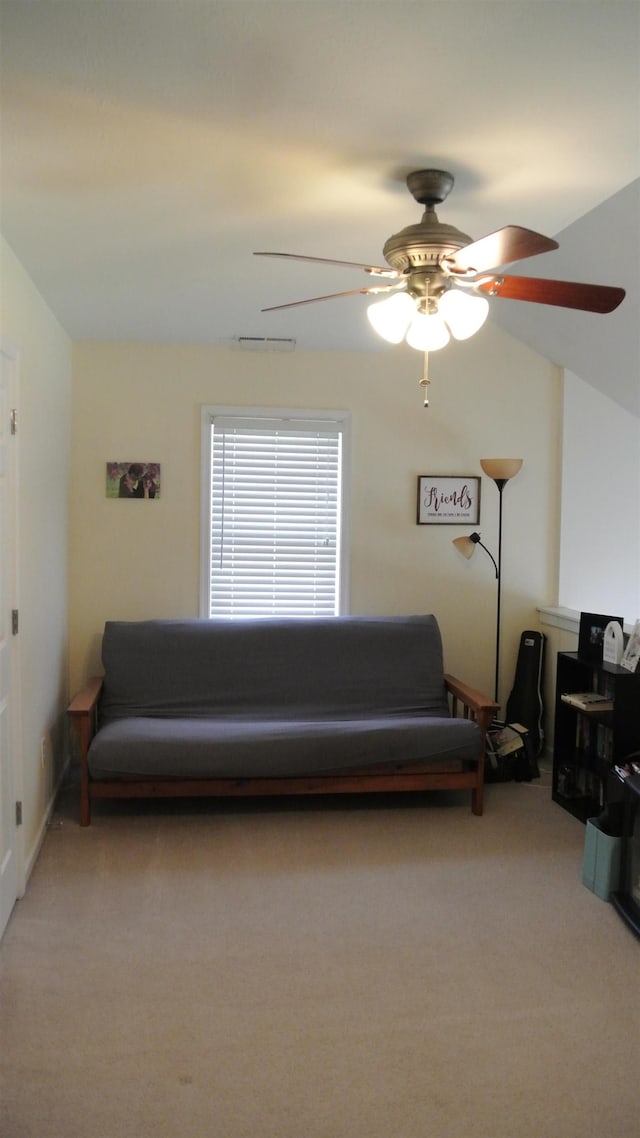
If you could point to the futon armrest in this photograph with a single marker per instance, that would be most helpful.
(84, 702)
(82, 712)
(475, 705)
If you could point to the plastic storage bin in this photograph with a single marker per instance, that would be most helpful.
(601, 869)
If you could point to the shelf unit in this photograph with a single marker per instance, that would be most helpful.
(588, 744)
(626, 897)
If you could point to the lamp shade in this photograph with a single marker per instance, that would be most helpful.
(466, 545)
(390, 317)
(501, 468)
(427, 332)
(464, 314)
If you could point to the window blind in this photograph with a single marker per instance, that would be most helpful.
(275, 517)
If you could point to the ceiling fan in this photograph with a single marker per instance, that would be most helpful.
(441, 277)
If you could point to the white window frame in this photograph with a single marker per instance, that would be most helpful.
(342, 421)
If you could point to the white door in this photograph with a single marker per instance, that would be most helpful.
(8, 827)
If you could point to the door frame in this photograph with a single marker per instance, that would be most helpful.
(12, 358)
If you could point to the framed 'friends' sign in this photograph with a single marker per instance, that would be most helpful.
(452, 499)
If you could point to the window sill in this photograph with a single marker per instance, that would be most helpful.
(567, 619)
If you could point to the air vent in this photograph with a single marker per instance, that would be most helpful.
(264, 343)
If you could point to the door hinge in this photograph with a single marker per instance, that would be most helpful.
(15, 621)
(18, 813)
(13, 419)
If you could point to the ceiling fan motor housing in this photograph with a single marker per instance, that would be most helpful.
(418, 250)
(424, 244)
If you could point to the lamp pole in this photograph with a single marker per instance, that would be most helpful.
(500, 483)
(475, 538)
(500, 470)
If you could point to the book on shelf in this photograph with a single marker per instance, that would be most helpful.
(604, 743)
(588, 700)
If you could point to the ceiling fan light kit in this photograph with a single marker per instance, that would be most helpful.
(455, 313)
(465, 314)
(390, 318)
(427, 332)
(440, 275)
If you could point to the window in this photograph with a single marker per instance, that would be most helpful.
(273, 512)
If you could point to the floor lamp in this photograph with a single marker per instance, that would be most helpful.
(500, 470)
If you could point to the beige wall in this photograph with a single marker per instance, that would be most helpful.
(43, 449)
(490, 396)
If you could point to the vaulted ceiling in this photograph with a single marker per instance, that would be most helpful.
(148, 148)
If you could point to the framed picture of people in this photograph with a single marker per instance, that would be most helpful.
(138, 480)
(591, 635)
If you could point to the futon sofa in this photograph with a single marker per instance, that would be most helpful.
(277, 706)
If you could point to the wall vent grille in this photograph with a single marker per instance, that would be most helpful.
(264, 343)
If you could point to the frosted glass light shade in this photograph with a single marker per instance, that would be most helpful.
(427, 333)
(464, 314)
(391, 317)
(501, 468)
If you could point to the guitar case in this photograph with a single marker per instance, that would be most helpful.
(524, 704)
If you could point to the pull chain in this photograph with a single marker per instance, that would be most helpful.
(425, 381)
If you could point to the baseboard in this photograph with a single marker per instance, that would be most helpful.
(31, 859)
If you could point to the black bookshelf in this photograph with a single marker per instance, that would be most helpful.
(626, 898)
(588, 744)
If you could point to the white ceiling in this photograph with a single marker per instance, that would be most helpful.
(149, 146)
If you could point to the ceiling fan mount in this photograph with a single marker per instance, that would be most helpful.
(430, 187)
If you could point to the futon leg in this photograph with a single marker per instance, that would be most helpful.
(477, 798)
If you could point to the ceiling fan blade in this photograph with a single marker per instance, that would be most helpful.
(565, 294)
(375, 270)
(332, 296)
(512, 243)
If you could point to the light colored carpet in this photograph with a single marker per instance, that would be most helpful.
(332, 969)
